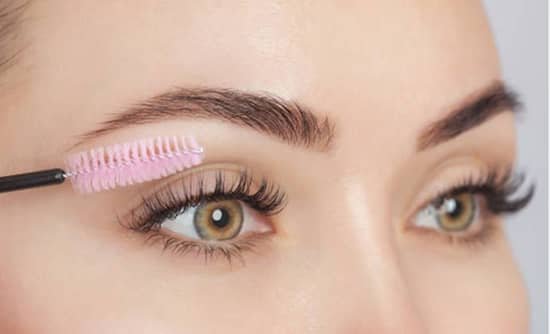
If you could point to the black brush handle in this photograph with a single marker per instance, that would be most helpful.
(32, 180)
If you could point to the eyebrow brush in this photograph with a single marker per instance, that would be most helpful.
(115, 166)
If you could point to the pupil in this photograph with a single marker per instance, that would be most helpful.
(455, 210)
(220, 218)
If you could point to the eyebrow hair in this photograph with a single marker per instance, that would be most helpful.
(11, 20)
(490, 101)
(263, 112)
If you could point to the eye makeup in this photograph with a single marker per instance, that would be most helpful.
(214, 212)
(221, 211)
(461, 213)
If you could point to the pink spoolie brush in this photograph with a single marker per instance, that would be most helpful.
(115, 166)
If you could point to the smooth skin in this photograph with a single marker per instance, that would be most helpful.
(340, 260)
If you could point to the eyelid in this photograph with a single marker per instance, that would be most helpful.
(149, 189)
(215, 180)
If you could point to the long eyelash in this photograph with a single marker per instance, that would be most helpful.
(266, 198)
(499, 191)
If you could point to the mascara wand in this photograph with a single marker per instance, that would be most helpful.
(115, 166)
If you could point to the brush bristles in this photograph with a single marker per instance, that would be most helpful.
(130, 163)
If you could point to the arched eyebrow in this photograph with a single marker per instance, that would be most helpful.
(474, 111)
(268, 114)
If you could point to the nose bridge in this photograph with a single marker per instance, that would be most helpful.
(363, 289)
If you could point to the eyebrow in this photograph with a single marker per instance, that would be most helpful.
(268, 114)
(476, 110)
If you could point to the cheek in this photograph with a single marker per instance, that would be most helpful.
(65, 275)
(58, 270)
(51, 272)
(480, 291)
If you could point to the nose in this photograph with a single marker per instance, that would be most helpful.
(362, 288)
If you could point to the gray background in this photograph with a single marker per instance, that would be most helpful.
(520, 28)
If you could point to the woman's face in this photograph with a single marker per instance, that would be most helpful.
(410, 93)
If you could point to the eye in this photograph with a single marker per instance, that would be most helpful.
(464, 214)
(215, 221)
(217, 212)
(450, 214)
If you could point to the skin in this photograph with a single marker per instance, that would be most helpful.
(340, 260)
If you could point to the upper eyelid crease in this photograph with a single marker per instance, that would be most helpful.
(268, 114)
(483, 105)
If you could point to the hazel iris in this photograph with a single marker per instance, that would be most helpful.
(457, 213)
(218, 220)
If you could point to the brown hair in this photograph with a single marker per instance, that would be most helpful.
(11, 15)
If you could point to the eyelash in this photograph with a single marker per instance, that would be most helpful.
(264, 197)
(497, 192)
(268, 199)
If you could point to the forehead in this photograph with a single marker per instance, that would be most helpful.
(355, 60)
